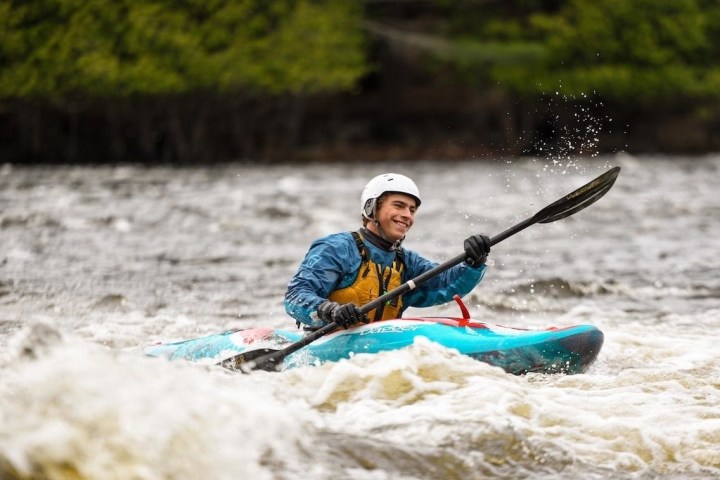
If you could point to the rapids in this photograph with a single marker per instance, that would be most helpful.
(96, 262)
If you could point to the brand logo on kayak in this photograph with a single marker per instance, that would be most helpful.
(389, 329)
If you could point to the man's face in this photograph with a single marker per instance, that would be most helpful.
(396, 214)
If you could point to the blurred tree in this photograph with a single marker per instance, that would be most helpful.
(640, 56)
(638, 52)
(192, 79)
(74, 53)
(55, 49)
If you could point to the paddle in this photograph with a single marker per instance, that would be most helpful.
(269, 359)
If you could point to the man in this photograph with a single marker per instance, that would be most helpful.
(343, 271)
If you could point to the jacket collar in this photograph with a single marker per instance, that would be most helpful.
(379, 241)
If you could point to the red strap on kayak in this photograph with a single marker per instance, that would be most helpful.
(463, 309)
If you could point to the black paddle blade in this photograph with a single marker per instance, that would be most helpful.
(581, 198)
(253, 360)
(584, 204)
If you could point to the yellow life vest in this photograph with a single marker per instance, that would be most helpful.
(371, 282)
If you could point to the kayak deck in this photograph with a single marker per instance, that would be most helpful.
(567, 350)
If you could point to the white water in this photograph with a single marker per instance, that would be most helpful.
(96, 262)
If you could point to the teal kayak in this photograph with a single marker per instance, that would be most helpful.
(568, 350)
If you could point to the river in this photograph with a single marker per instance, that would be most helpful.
(96, 262)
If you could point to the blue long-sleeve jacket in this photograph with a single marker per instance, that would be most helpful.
(333, 262)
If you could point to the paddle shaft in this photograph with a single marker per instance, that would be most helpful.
(566, 206)
(392, 294)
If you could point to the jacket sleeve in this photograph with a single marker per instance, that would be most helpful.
(459, 280)
(327, 264)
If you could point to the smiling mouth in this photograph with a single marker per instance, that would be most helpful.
(402, 225)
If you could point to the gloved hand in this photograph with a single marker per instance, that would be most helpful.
(477, 248)
(325, 309)
(347, 315)
(344, 315)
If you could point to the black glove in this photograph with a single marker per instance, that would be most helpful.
(325, 310)
(344, 315)
(477, 248)
(347, 315)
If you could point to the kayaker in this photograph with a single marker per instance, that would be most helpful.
(344, 271)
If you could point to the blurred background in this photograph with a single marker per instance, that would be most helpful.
(198, 81)
(165, 164)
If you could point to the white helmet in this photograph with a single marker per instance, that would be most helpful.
(387, 182)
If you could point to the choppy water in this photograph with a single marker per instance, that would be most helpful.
(96, 262)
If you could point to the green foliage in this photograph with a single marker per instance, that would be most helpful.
(315, 48)
(640, 51)
(68, 49)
